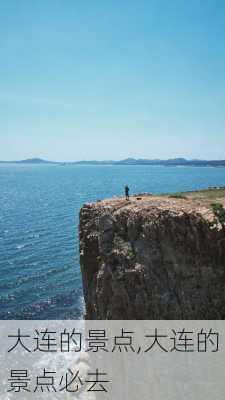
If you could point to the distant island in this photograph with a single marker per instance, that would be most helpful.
(173, 162)
(29, 161)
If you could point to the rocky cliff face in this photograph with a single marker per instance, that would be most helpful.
(152, 258)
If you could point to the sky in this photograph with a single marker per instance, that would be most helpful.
(110, 79)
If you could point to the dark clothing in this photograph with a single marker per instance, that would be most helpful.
(127, 192)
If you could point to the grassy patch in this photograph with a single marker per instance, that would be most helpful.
(210, 193)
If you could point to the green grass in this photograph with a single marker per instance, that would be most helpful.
(210, 194)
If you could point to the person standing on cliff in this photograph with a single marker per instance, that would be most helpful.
(127, 192)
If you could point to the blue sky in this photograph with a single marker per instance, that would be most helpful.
(108, 79)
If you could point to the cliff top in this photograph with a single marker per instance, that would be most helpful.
(196, 202)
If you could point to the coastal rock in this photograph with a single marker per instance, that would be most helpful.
(152, 258)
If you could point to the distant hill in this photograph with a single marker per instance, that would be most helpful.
(34, 161)
(30, 161)
(170, 162)
(173, 162)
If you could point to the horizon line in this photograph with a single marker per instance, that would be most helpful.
(177, 158)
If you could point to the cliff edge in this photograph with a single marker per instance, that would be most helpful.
(153, 257)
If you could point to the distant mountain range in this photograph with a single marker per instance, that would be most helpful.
(176, 162)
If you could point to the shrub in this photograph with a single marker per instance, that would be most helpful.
(219, 213)
(177, 196)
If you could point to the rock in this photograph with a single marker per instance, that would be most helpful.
(83, 357)
(153, 258)
(79, 375)
(83, 369)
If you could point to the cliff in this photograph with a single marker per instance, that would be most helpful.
(153, 257)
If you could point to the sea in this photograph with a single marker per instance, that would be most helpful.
(39, 215)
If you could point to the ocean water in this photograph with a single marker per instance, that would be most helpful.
(39, 207)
